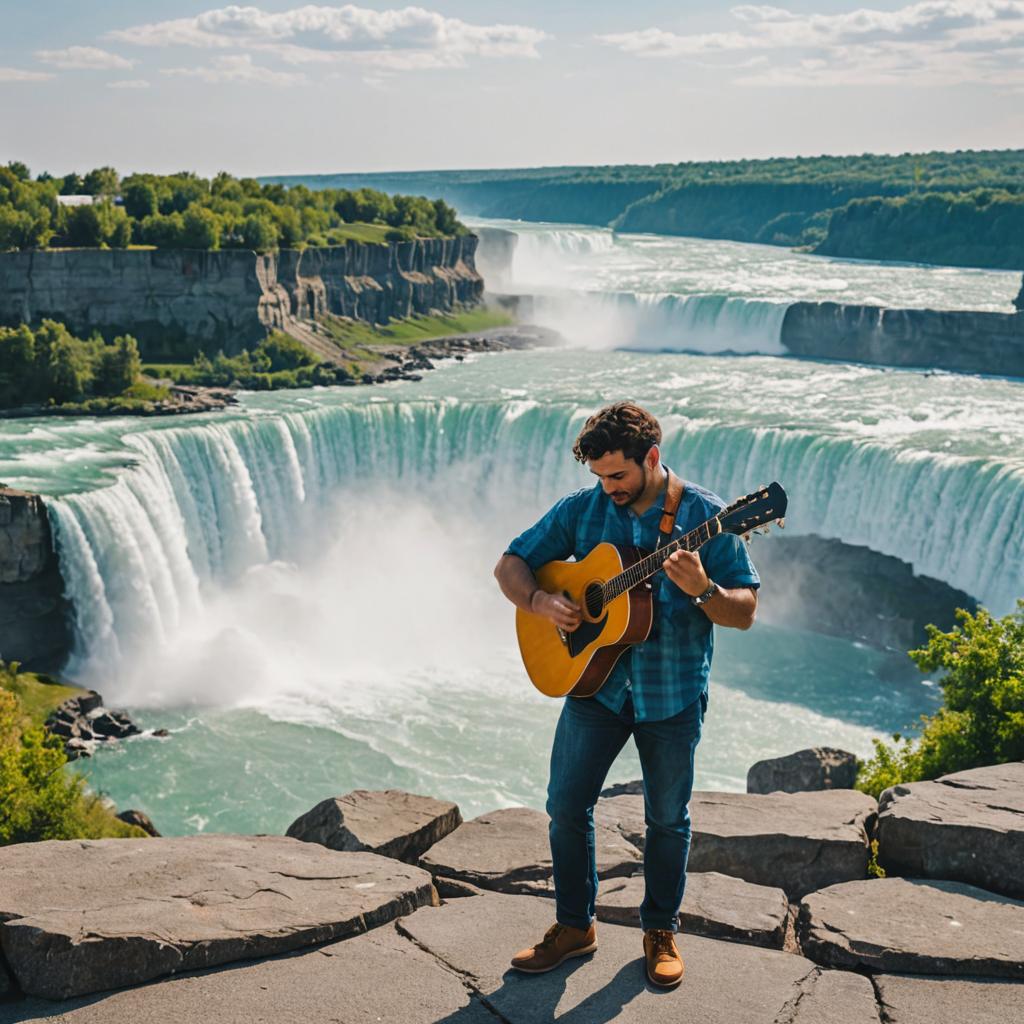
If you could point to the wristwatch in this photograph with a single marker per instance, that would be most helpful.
(707, 595)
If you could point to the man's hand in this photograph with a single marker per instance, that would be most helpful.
(685, 570)
(558, 609)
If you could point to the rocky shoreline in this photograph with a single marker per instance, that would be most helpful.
(383, 905)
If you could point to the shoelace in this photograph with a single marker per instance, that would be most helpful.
(551, 935)
(663, 942)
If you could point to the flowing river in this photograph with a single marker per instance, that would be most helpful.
(300, 588)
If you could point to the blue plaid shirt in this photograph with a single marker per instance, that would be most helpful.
(668, 671)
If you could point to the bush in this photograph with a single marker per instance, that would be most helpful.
(982, 720)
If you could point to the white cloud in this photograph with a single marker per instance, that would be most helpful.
(129, 83)
(78, 58)
(18, 75)
(400, 39)
(238, 68)
(928, 43)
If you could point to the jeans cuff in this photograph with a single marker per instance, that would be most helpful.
(572, 922)
(671, 926)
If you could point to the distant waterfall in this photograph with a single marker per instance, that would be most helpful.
(206, 503)
(664, 323)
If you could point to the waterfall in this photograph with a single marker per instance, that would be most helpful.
(664, 322)
(205, 504)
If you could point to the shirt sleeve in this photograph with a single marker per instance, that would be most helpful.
(727, 562)
(552, 537)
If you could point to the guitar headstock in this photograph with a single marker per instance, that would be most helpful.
(755, 512)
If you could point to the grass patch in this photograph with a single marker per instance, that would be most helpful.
(357, 233)
(39, 694)
(351, 333)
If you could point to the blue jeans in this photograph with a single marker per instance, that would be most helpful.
(588, 738)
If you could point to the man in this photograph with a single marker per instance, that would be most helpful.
(657, 692)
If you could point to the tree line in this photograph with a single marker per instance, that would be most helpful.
(185, 211)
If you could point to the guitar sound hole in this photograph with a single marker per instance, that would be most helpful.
(594, 599)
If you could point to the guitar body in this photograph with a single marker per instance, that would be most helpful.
(577, 664)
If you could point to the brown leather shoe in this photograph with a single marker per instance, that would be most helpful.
(664, 964)
(559, 943)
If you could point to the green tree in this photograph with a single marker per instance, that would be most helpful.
(259, 233)
(982, 719)
(67, 370)
(140, 199)
(163, 231)
(71, 185)
(26, 228)
(37, 799)
(19, 170)
(103, 181)
(118, 367)
(284, 352)
(201, 229)
(17, 356)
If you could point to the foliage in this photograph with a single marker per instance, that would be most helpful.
(50, 365)
(875, 870)
(982, 719)
(38, 798)
(980, 228)
(184, 211)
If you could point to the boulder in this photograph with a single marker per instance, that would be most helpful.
(1018, 302)
(797, 842)
(508, 851)
(805, 771)
(82, 916)
(915, 926)
(140, 820)
(715, 905)
(725, 983)
(910, 1000)
(388, 822)
(968, 827)
(623, 814)
(377, 976)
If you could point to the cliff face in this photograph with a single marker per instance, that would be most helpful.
(967, 342)
(33, 624)
(178, 302)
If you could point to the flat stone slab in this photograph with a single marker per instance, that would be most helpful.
(968, 827)
(725, 982)
(83, 916)
(623, 814)
(715, 906)
(378, 976)
(798, 842)
(508, 851)
(909, 1000)
(915, 926)
(389, 822)
(805, 771)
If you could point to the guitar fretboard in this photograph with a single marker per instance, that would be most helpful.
(648, 566)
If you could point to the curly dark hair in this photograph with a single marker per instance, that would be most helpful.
(624, 427)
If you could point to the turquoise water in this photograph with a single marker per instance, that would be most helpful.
(300, 588)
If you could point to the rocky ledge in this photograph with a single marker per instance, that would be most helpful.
(274, 928)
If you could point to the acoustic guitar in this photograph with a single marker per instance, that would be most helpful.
(612, 587)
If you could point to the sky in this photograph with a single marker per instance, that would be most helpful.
(292, 88)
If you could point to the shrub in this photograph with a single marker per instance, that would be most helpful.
(982, 720)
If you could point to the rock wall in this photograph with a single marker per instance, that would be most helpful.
(826, 586)
(33, 619)
(178, 302)
(964, 341)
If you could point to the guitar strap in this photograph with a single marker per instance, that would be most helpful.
(673, 496)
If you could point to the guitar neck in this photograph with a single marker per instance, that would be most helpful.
(647, 567)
